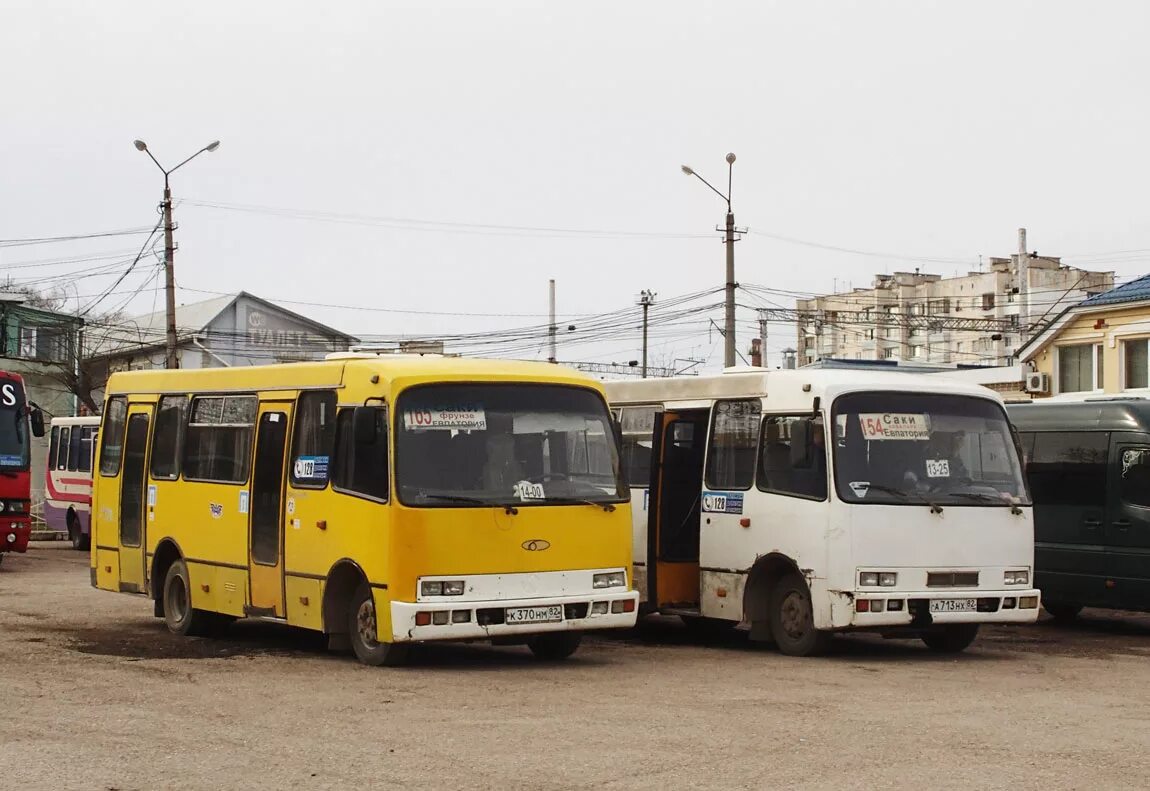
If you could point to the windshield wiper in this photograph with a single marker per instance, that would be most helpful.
(987, 498)
(455, 498)
(935, 508)
(608, 507)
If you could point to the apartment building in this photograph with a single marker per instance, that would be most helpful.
(980, 318)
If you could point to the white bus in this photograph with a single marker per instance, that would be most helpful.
(68, 478)
(912, 518)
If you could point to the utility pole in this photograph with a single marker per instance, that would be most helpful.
(763, 339)
(646, 298)
(729, 239)
(171, 361)
(552, 330)
(1023, 271)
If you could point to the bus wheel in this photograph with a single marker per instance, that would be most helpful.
(952, 639)
(553, 646)
(78, 539)
(792, 619)
(362, 628)
(1062, 612)
(179, 614)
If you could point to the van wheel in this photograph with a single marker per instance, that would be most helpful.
(553, 646)
(952, 639)
(362, 628)
(792, 619)
(1062, 612)
(179, 614)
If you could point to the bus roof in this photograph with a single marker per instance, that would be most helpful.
(334, 372)
(798, 386)
(1113, 415)
(85, 420)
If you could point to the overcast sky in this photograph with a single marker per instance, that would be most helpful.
(916, 129)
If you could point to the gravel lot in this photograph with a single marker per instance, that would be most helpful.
(97, 695)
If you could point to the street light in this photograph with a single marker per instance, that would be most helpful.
(169, 248)
(729, 323)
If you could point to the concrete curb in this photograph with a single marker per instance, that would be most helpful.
(48, 535)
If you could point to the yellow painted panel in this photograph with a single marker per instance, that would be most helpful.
(304, 602)
(678, 583)
(108, 569)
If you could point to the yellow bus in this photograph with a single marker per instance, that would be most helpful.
(381, 499)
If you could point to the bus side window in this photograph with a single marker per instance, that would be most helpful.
(74, 449)
(1136, 476)
(638, 428)
(168, 437)
(84, 464)
(733, 444)
(313, 440)
(218, 439)
(787, 469)
(1069, 468)
(65, 440)
(53, 447)
(360, 462)
(115, 417)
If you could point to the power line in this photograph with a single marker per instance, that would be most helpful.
(71, 238)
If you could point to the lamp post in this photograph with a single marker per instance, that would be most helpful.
(169, 248)
(729, 322)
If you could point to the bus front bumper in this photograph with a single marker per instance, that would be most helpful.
(488, 619)
(14, 536)
(924, 608)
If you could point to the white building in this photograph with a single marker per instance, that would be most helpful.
(980, 318)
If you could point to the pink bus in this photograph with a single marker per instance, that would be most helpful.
(68, 478)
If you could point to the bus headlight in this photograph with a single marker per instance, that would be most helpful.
(1016, 577)
(887, 579)
(441, 588)
(875, 579)
(612, 579)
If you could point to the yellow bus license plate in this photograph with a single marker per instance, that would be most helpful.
(550, 614)
(953, 605)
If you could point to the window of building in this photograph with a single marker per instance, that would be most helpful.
(1069, 468)
(888, 354)
(361, 467)
(1008, 340)
(734, 438)
(218, 440)
(793, 473)
(168, 437)
(112, 429)
(869, 335)
(916, 351)
(1079, 368)
(314, 439)
(988, 301)
(46, 342)
(1134, 359)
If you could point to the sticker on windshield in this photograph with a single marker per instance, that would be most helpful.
(894, 425)
(860, 488)
(723, 502)
(308, 467)
(526, 490)
(938, 468)
(7, 460)
(461, 418)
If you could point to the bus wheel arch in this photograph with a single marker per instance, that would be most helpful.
(761, 581)
(167, 553)
(340, 587)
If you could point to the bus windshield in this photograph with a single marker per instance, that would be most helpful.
(910, 448)
(464, 445)
(14, 445)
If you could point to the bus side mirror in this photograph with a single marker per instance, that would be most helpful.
(802, 439)
(364, 425)
(36, 418)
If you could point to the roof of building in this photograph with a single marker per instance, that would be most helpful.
(1134, 291)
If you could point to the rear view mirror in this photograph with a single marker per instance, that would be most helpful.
(36, 418)
(802, 440)
(365, 425)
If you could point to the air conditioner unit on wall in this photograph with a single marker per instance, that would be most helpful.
(1038, 383)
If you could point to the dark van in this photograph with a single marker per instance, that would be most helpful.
(1088, 464)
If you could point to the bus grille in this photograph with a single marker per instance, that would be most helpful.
(952, 579)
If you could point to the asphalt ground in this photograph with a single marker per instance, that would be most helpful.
(96, 694)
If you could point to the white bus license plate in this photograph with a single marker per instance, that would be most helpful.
(550, 614)
(953, 605)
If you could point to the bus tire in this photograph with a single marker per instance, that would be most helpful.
(792, 619)
(78, 539)
(1062, 612)
(951, 639)
(179, 615)
(362, 627)
(554, 646)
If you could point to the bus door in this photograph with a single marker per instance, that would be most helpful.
(1128, 521)
(133, 497)
(673, 526)
(266, 517)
